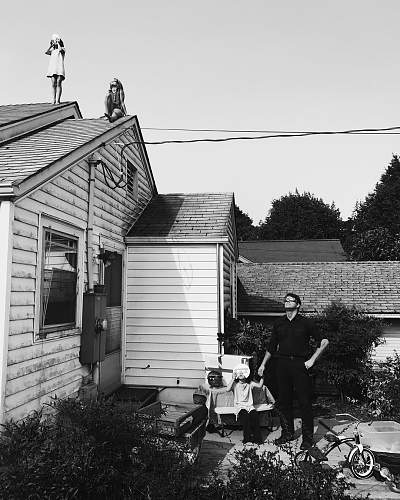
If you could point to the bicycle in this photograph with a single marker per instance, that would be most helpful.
(361, 459)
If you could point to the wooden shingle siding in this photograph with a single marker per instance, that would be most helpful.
(229, 261)
(38, 369)
(171, 313)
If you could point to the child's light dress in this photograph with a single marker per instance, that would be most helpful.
(56, 64)
(243, 397)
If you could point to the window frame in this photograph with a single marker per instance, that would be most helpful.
(73, 232)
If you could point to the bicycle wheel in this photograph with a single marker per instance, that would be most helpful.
(362, 463)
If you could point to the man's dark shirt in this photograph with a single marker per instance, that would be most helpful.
(291, 338)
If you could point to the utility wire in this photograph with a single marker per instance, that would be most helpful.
(375, 131)
(236, 131)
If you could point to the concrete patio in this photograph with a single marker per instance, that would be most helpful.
(220, 451)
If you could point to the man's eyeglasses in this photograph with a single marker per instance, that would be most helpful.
(288, 299)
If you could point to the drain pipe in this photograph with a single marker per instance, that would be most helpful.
(89, 231)
(220, 295)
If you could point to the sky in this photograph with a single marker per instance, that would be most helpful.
(227, 64)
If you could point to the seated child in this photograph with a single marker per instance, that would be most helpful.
(243, 403)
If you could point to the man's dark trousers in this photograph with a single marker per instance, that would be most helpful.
(293, 376)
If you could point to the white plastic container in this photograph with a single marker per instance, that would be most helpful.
(381, 436)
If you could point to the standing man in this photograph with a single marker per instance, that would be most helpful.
(290, 345)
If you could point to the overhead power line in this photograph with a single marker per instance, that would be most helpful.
(369, 131)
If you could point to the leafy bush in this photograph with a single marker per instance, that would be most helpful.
(264, 476)
(246, 337)
(85, 451)
(352, 336)
(102, 450)
(383, 388)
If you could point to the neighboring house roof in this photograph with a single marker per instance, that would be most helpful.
(185, 216)
(291, 251)
(370, 286)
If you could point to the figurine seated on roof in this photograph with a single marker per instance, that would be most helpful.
(115, 101)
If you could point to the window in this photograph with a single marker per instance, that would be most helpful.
(131, 180)
(59, 283)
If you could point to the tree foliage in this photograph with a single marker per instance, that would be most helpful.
(381, 208)
(375, 244)
(298, 216)
(352, 337)
(245, 230)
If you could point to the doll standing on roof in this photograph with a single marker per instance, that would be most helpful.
(56, 70)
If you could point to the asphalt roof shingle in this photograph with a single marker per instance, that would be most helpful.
(329, 250)
(24, 157)
(179, 215)
(370, 286)
(12, 113)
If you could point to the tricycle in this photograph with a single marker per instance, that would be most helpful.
(374, 446)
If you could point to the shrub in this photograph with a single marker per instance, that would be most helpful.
(247, 337)
(352, 336)
(264, 476)
(85, 451)
(383, 388)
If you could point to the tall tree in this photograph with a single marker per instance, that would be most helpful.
(375, 244)
(298, 216)
(381, 208)
(245, 230)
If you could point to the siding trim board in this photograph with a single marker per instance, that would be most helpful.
(6, 222)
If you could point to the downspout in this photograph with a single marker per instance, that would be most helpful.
(89, 231)
(220, 294)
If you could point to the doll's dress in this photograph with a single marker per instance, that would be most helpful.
(56, 64)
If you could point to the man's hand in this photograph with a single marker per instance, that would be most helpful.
(261, 370)
(309, 364)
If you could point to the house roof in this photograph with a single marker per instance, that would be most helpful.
(292, 250)
(12, 113)
(185, 216)
(370, 286)
(22, 158)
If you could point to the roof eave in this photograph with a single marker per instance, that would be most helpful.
(139, 240)
(392, 315)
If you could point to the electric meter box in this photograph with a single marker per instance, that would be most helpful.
(93, 338)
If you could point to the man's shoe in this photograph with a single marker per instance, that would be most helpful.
(284, 438)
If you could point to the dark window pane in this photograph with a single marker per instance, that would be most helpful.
(59, 280)
(131, 179)
(113, 280)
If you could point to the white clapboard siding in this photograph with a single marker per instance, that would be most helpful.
(38, 369)
(190, 357)
(171, 313)
(187, 309)
(163, 296)
(175, 313)
(171, 347)
(20, 411)
(392, 344)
